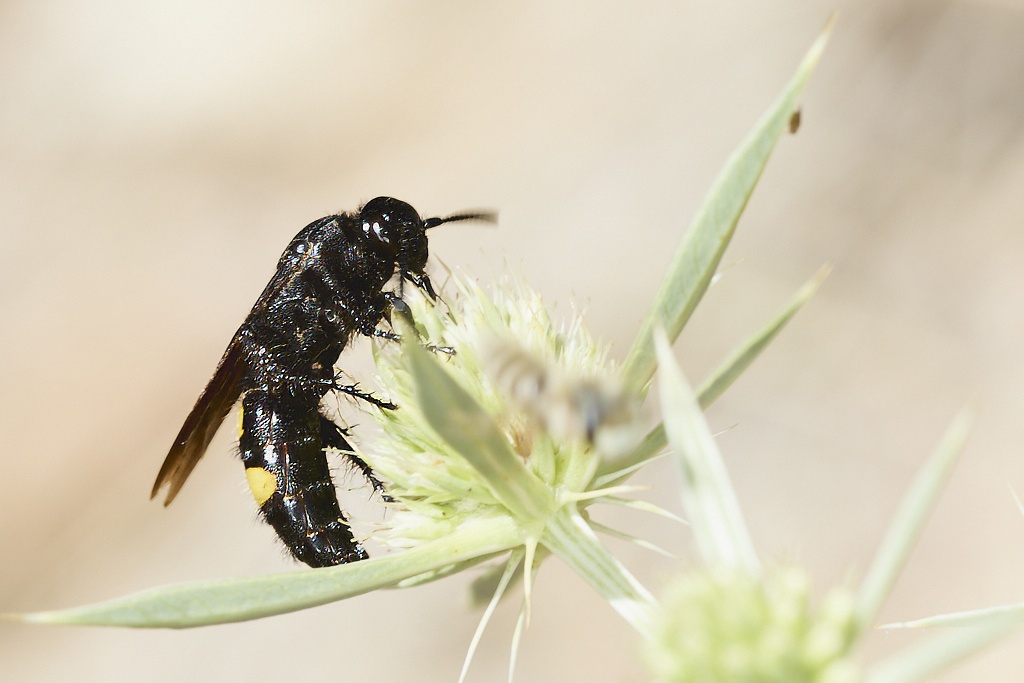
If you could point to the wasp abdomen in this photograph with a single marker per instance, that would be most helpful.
(283, 451)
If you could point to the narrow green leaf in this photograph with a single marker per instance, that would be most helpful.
(715, 385)
(644, 506)
(909, 520)
(445, 572)
(568, 536)
(511, 568)
(481, 590)
(630, 538)
(741, 358)
(517, 637)
(471, 432)
(971, 618)
(613, 471)
(219, 602)
(701, 249)
(708, 497)
(923, 660)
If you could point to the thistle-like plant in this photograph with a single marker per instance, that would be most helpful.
(511, 427)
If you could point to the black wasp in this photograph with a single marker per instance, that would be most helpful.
(329, 285)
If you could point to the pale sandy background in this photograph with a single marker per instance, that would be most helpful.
(156, 157)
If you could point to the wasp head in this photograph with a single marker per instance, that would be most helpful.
(401, 236)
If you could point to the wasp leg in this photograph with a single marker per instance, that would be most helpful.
(446, 350)
(397, 305)
(385, 334)
(354, 391)
(333, 436)
(433, 348)
(400, 308)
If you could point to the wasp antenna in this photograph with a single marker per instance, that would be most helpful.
(487, 216)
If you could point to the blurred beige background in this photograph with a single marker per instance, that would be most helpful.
(156, 158)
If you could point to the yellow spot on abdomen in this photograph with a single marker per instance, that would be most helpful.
(262, 483)
(241, 421)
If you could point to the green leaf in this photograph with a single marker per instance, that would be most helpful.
(568, 536)
(513, 567)
(445, 572)
(483, 587)
(909, 520)
(701, 250)
(971, 618)
(974, 631)
(613, 471)
(923, 660)
(219, 602)
(741, 358)
(709, 500)
(471, 432)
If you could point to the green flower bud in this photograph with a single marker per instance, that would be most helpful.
(718, 627)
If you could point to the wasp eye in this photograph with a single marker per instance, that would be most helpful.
(379, 231)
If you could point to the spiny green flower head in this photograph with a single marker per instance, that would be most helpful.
(549, 390)
(733, 627)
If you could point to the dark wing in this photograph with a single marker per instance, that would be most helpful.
(224, 389)
(202, 423)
